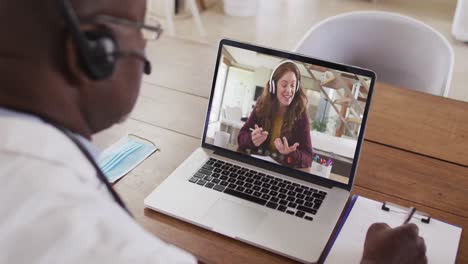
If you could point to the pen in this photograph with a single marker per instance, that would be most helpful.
(329, 162)
(411, 212)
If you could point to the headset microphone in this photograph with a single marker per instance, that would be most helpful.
(139, 55)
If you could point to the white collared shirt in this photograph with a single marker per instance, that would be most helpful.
(90, 147)
(53, 210)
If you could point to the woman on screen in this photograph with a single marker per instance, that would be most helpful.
(279, 124)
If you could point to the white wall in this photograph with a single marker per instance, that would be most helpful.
(262, 76)
(239, 90)
(310, 84)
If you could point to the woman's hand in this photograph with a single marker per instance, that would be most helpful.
(259, 136)
(283, 146)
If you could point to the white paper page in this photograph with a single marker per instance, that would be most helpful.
(441, 239)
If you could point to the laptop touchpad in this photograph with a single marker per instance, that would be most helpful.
(233, 218)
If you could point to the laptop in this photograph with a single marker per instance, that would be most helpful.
(279, 151)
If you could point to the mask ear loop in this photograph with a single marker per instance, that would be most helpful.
(145, 139)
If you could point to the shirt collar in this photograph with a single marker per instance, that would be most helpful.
(88, 145)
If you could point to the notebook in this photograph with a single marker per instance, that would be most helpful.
(441, 239)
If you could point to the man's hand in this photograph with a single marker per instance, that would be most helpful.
(283, 146)
(394, 245)
(259, 136)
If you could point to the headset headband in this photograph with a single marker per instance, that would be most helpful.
(84, 50)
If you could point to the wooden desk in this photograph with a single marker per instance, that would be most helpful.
(422, 123)
(415, 153)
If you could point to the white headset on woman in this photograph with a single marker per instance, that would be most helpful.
(272, 83)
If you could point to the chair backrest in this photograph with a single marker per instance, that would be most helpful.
(402, 51)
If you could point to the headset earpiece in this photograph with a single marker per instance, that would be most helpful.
(101, 58)
(272, 87)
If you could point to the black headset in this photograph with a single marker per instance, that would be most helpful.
(97, 49)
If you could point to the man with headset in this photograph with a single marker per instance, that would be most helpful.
(68, 69)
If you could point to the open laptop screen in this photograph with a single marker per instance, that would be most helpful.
(288, 110)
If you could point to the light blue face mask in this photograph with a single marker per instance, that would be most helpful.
(123, 156)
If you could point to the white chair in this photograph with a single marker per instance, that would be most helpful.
(460, 21)
(401, 50)
(233, 113)
(195, 13)
(169, 8)
(231, 122)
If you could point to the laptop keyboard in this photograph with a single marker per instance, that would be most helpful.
(272, 192)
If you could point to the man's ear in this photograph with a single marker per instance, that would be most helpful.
(76, 72)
